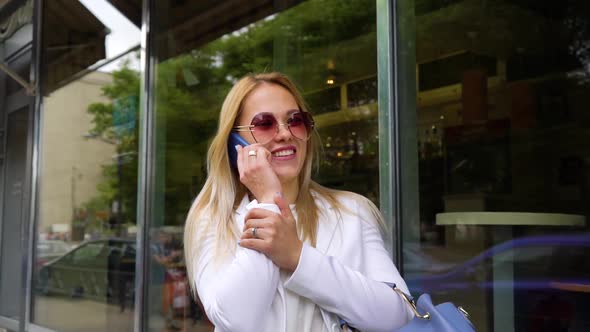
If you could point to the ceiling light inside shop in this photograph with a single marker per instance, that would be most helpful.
(330, 80)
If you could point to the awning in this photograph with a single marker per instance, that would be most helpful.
(73, 39)
(190, 24)
(130, 8)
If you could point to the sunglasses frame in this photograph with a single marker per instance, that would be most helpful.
(306, 117)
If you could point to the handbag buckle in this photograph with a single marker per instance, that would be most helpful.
(463, 311)
(412, 304)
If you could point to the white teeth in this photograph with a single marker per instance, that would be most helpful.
(284, 153)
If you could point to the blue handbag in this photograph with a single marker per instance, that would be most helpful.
(444, 317)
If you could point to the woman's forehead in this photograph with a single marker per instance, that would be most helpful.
(269, 98)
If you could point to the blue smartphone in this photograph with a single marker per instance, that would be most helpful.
(234, 139)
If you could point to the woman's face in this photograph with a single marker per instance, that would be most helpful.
(287, 152)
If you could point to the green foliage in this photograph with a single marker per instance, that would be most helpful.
(119, 178)
(301, 42)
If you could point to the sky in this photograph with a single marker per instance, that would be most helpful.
(124, 34)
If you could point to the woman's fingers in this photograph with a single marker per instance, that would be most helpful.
(255, 244)
(240, 159)
(275, 236)
(256, 172)
(259, 233)
(259, 214)
(253, 155)
(250, 223)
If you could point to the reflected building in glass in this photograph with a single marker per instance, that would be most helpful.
(465, 121)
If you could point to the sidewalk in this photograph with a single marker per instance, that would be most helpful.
(66, 314)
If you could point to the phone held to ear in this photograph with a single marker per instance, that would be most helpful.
(234, 139)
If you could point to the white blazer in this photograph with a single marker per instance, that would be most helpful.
(344, 275)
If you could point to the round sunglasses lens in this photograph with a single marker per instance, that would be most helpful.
(300, 125)
(264, 127)
(297, 126)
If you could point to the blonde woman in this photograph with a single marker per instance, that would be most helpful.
(268, 249)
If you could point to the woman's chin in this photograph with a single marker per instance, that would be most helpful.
(287, 176)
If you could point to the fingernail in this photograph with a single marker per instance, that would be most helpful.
(236, 147)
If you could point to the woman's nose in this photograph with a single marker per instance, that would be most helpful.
(283, 131)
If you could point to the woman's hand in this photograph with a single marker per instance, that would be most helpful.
(257, 174)
(276, 235)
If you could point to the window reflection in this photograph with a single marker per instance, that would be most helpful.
(85, 256)
(327, 47)
(501, 146)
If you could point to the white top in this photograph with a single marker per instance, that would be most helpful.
(344, 276)
(302, 314)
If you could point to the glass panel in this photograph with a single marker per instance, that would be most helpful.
(15, 56)
(503, 155)
(84, 277)
(327, 47)
(11, 250)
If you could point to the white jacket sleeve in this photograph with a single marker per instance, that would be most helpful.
(237, 293)
(361, 298)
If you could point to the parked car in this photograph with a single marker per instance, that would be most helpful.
(99, 269)
(417, 262)
(48, 250)
(104, 270)
(547, 276)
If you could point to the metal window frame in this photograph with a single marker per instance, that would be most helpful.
(146, 172)
(397, 121)
(389, 148)
(36, 108)
(30, 179)
(29, 87)
(38, 328)
(14, 105)
(9, 323)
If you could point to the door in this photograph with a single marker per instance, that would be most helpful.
(11, 254)
(15, 180)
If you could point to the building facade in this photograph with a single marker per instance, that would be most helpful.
(465, 121)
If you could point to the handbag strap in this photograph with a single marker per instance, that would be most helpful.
(410, 301)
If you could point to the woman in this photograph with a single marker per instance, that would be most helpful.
(268, 249)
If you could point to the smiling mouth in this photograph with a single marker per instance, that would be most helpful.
(284, 153)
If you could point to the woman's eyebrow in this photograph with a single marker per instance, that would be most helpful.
(291, 111)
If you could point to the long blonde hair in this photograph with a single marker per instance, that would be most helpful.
(222, 192)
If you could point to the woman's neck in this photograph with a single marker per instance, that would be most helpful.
(291, 191)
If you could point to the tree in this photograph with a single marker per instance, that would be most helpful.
(301, 42)
(119, 186)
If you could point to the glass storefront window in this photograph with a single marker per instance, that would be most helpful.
(327, 47)
(16, 31)
(85, 250)
(503, 159)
